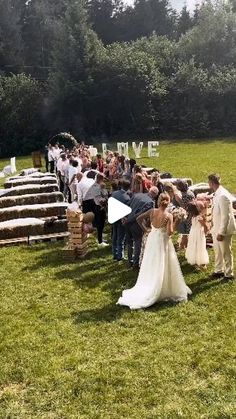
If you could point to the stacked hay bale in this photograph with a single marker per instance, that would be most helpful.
(55, 209)
(29, 180)
(32, 206)
(29, 189)
(41, 198)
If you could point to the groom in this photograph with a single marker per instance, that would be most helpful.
(223, 228)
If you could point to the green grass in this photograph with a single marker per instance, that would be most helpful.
(67, 350)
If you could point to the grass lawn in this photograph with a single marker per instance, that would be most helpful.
(67, 350)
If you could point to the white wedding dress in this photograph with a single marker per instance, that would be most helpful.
(196, 252)
(160, 277)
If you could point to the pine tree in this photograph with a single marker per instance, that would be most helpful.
(185, 22)
(11, 45)
(74, 58)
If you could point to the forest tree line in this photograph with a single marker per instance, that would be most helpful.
(103, 70)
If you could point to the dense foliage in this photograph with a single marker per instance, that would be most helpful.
(99, 69)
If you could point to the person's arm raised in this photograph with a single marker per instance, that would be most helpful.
(142, 217)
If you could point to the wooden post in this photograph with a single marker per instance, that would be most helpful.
(37, 161)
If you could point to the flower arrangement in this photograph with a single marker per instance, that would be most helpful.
(179, 214)
(64, 136)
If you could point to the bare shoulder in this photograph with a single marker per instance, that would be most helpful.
(169, 216)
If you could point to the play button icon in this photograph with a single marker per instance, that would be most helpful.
(117, 210)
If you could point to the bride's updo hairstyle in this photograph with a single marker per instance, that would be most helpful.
(164, 200)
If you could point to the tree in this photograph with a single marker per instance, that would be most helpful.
(185, 22)
(21, 102)
(11, 46)
(76, 52)
(103, 16)
(213, 39)
(127, 84)
(151, 16)
(41, 22)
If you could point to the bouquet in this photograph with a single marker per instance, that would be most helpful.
(179, 214)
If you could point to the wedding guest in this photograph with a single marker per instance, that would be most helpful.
(196, 252)
(77, 158)
(156, 181)
(115, 186)
(113, 166)
(185, 225)
(67, 193)
(139, 203)
(95, 201)
(173, 194)
(82, 187)
(62, 165)
(100, 195)
(46, 158)
(88, 199)
(100, 163)
(92, 171)
(51, 159)
(121, 165)
(118, 228)
(223, 228)
(73, 170)
(132, 164)
(56, 153)
(137, 184)
(85, 161)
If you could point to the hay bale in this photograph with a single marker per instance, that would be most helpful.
(30, 227)
(200, 188)
(27, 180)
(57, 209)
(31, 199)
(175, 180)
(36, 174)
(29, 189)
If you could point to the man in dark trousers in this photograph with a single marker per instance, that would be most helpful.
(118, 229)
(139, 203)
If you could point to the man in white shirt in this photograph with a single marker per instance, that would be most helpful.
(79, 160)
(92, 170)
(73, 170)
(82, 187)
(56, 152)
(223, 228)
(51, 158)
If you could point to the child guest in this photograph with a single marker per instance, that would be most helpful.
(196, 252)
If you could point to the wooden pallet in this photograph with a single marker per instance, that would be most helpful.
(14, 242)
(48, 237)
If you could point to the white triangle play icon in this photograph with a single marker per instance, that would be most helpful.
(117, 210)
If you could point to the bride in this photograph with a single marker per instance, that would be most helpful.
(160, 277)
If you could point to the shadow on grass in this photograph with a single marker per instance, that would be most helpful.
(203, 285)
(54, 257)
(109, 313)
(99, 271)
(113, 312)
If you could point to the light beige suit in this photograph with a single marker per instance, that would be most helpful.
(224, 224)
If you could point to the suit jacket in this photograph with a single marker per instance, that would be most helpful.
(222, 213)
(122, 196)
(139, 203)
